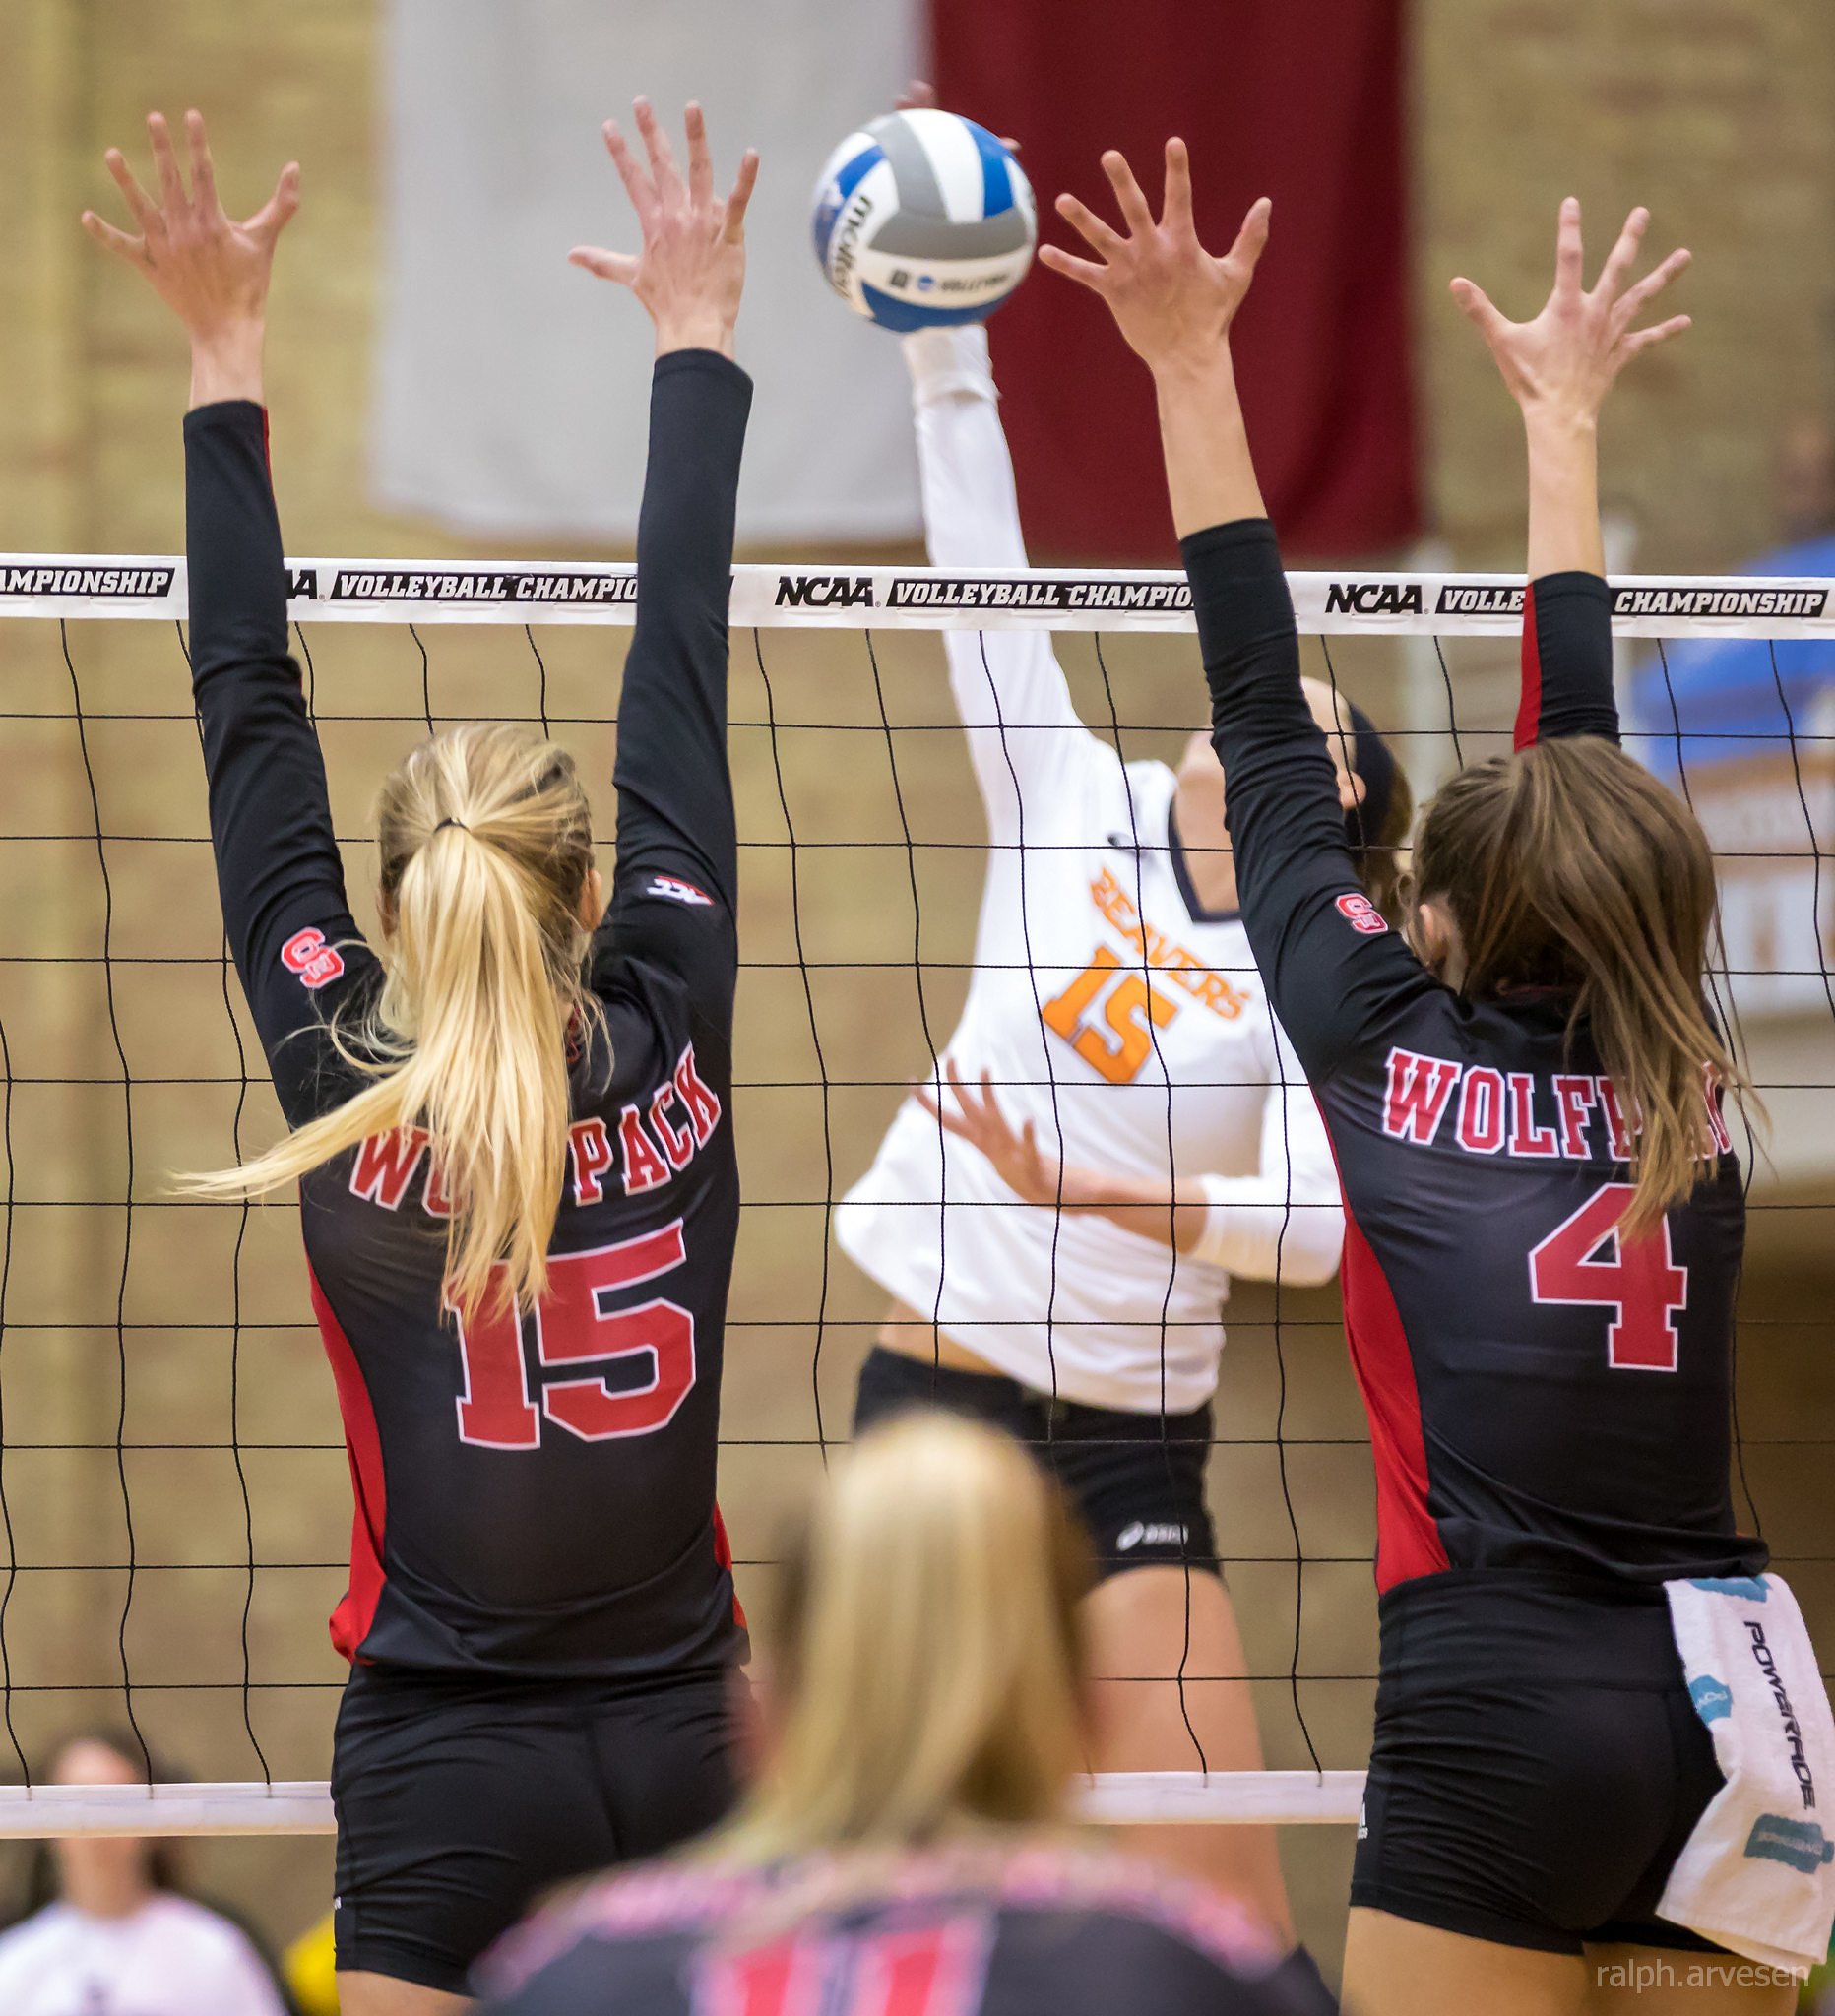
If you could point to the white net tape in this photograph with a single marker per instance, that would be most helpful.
(909, 597)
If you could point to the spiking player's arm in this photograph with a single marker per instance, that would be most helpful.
(1558, 369)
(675, 893)
(295, 944)
(1335, 971)
(1286, 1221)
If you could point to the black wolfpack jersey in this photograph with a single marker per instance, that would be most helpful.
(977, 1932)
(533, 1498)
(1540, 1393)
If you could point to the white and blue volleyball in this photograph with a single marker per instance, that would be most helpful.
(923, 219)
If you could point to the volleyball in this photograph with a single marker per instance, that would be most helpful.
(923, 219)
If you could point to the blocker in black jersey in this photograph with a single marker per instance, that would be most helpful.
(1538, 1397)
(977, 1932)
(1550, 1406)
(533, 1499)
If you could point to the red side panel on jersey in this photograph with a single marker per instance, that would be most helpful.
(1529, 706)
(352, 1619)
(1408, 1543)
(723, 1553)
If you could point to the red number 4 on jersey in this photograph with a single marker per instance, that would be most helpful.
(1640, 1283)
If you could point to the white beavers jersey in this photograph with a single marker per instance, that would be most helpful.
(171, 1957)
(1130, 1025)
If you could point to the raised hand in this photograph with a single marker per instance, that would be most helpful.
(691, 270)
(211, 272)
(1171, 299)
(976, 1118)
(1563, 364)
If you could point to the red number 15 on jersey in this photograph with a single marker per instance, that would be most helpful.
(578, 1336)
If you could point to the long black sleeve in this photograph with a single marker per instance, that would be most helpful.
(1567, 661)
(1335, 970)
(295, 944)
(676, 886)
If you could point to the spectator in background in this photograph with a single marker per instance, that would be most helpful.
(110, 1932)
(908, 1844)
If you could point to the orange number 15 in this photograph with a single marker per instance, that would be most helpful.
(1121, 1042)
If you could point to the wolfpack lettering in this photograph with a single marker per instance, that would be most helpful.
(1158, 950)
(1558, 1119)
(1372, 599)
(1419, 1090)
(825, 591)
(385, 1166)
(658, 1137)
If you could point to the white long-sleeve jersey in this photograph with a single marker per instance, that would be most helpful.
(1108, 1007)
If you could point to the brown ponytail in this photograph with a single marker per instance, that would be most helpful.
(487, 843)
(1567, 865)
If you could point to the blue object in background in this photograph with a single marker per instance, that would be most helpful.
(1726, 690)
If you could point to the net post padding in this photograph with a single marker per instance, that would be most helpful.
(1120, 1799)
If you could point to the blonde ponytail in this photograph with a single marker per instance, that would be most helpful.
(486, 846)
(927, 1648)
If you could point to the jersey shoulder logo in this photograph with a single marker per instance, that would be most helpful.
(316, 963)
(1361, 914)
(678, 891)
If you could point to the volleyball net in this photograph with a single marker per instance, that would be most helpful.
(175, 1503)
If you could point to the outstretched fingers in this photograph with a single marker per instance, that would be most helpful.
(1477, 305)
(1634, 300)
(743, 184)
(134, 250)
(202, 168)
(700, 159)
(637, 185)
(1084, 272)
(172, 196)
(1095, 232)
(663, 172)
(615, 266)
(1176, 211)
(1648, 339)
(1252, 238)
(1128, 193)
(274, 216)
(1570, 251)
(1623, 256)
(146, 211)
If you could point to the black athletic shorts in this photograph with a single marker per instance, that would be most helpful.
(1538, 1764)
(460, 1801)
(1136, 1480)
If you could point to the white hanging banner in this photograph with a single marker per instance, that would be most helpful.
(511, 391)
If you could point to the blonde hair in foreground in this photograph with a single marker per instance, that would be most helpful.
(927, 1656)
(487, 843)
(1567, 865)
